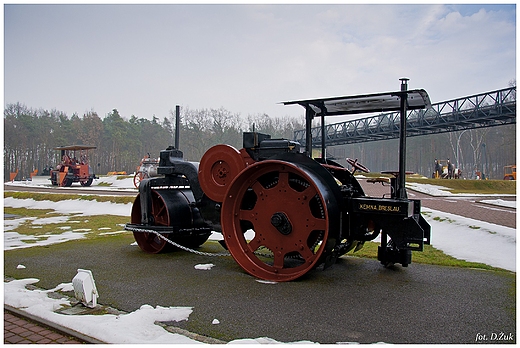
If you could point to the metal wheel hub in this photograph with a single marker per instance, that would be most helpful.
(280, 209)
(281, 222)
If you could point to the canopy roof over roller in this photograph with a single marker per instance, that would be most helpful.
(365, 103)
(75, 147)
(401, 101)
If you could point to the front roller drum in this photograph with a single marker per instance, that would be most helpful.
(275, 220)
(171, 210)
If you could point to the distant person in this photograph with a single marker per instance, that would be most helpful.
(438, 169)
(451, 169)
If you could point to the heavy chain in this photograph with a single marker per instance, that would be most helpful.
(145, 230)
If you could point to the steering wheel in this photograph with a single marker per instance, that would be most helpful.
(356, 165)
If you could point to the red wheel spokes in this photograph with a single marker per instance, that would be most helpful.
(288, 215)
(293, 203)
(159, 212)
(150, 242)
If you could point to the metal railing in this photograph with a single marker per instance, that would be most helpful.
(488, 109)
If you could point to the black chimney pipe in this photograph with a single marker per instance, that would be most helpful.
(177, 125)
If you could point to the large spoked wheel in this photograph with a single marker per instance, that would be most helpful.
(138, 177)
(54, 178)
(275, 220)
(170, 210)
(67, 182)
(87, 182)
(149, 241)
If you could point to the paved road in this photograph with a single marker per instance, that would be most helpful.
(18, 329)
(469, 206)
(356, 300)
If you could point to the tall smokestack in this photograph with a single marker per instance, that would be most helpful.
(177, 125)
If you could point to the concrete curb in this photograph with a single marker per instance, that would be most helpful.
(193, 336)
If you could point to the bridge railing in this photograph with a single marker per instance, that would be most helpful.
(488, 109)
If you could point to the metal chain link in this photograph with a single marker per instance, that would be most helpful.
(203, 253)
(135, 229)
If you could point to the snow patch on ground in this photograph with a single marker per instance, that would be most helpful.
(15, 240)
(72, 206)
(116, 182)
(135, 327)
(121, 183)
(472, 240)
(12, 224)
(500, 203)
(205, 267)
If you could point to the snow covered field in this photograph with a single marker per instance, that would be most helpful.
(450, 233)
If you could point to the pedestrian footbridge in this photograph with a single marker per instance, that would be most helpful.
(494, 108)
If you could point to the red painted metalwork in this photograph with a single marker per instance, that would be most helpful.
(285, 207)
(218, 167)
(356, 165)
(150, 242)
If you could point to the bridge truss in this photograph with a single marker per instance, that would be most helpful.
(488, 109)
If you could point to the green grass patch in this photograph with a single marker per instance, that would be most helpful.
(373, 175)
(439, 219)
(123, 177)
(24, 212)
(100, 224)
(430, 256)
(459, 185)
(57, 197)
(381, 175)
(471, 186)
(94, 225)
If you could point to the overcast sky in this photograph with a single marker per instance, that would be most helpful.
(145, 59)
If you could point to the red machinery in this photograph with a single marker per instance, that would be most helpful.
(146, 169)
(281, 212)
(74, 166)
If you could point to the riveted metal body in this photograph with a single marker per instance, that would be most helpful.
(282, 213)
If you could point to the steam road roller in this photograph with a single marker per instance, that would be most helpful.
(282, 213)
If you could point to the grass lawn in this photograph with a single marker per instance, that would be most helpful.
(471, 186)
(99, 225)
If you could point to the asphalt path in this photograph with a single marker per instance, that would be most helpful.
(356, 300)
(474, 207)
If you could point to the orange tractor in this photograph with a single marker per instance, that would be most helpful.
(510, 172)
(73, 169)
